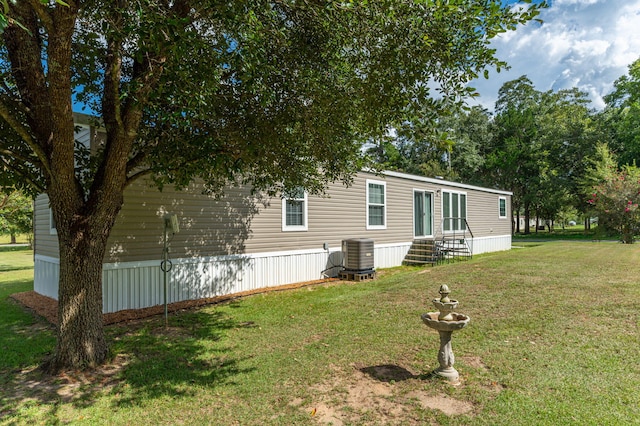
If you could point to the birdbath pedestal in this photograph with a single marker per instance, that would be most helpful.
(445, 321)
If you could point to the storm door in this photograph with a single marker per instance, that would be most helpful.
(422, 214)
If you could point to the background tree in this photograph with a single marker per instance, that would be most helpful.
(537, 147)
(269, 93)
(471, 131)
(513, 159)
(16, 213)
(568, 134)
(448, 146)
(616, 199)
(601, 167)
(622, 115)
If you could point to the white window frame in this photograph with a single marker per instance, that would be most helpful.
(500, 200)
(384, 205)
(466, 205)
(52, 224)
(305, 213)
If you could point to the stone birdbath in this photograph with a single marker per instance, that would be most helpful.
(445, 321)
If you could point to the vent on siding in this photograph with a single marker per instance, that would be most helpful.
(358, 254)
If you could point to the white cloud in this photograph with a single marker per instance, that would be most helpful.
(582, 43)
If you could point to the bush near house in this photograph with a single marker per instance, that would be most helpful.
(616, 200)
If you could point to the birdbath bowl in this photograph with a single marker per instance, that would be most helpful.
(457, 322)
(445, 321)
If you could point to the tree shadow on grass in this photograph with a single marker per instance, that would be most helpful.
(177, 360)
(149, 362)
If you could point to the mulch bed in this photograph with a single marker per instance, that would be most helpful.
(47, 307)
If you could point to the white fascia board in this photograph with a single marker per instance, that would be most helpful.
(442, 182)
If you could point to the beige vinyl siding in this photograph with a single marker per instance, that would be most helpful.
(83, 135)
(482, 207)
(330, 219)
(241, 223)
(483, 214)
(46, 243)
(208, 226)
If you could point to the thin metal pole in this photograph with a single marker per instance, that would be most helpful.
(164, 269)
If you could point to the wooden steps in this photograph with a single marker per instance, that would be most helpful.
(432, 251)
(422, 252)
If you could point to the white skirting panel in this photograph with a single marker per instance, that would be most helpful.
(491, 244)
(135, 285)
(390, 255)
(141, 284)
(46, 274)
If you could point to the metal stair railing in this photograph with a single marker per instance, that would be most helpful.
(456, 234)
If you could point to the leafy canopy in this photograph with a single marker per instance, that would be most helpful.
(271, 92)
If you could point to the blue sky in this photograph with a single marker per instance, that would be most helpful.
(582, 43)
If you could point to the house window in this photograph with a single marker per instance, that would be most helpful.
(376, 205)
(294, 210)
(502, 207)
(454, 211)
(52, 224)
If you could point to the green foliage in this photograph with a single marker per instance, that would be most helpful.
(16, 212)
(615, 200)
(540, 148)
(6, 19)
(514, 159)
(449, 146)
(623, 115)
(275, 93)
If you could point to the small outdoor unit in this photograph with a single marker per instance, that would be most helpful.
(358, 254)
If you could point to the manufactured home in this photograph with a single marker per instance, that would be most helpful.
(244, 241)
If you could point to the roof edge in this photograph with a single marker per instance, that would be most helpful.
(442, 182)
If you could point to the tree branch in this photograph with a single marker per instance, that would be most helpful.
(20, 157)
(25, 135)
(25, 176)
(123, 121)
(43, 14)
(137, 175)
(25, 54)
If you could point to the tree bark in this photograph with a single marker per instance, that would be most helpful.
(81, 342)
(527, 217)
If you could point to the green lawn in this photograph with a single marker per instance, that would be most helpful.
(553, 340)
(20, 238)
(576, 232)
(23, 339)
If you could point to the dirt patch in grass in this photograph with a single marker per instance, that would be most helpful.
(33, 384)
(386, 394)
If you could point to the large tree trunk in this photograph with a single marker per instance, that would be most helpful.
(83, 232)
(81, 342)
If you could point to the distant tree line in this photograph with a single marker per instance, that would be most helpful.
(549, 148)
